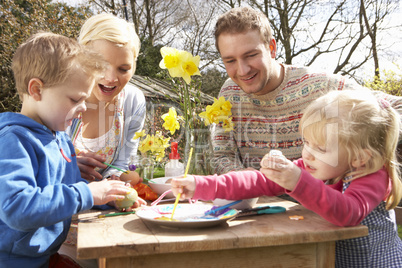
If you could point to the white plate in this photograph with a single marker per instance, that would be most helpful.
(186, 215)
(159, 186)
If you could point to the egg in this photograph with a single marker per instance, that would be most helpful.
(128, 200)
(275, 153)
(131, 177)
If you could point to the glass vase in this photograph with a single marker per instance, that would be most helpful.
(200, 141)
(147, 167)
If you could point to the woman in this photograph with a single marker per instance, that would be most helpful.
(115, 110)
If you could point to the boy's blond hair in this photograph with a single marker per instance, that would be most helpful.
(242, 20)
(364, 124)
(109, 27)
(50, 57)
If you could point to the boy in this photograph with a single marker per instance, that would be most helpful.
(41, 183)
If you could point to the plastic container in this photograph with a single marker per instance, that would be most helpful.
(174, 167)
(245, 204)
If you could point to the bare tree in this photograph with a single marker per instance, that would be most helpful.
(109, 6)
(379, 10)
(158, 21)
(154, 20)
(184, 24)
(306, 30)
(197, 34)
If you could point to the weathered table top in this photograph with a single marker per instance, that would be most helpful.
(128, 236)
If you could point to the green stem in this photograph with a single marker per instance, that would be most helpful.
(187, 105)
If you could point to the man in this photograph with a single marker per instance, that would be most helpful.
(268, 98)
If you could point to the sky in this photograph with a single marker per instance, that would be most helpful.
(72, 2)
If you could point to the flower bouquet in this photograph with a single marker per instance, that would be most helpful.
(153, 146)
(182, 67)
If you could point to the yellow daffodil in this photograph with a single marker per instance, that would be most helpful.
(190, 65)
(171, 61)
(226, 107)
(160, 144)
(171, 121)
(228, 125)
(139, 135)
(219, 111)
(211, 114)
(146, 144)
(154, 145)
(179, 63)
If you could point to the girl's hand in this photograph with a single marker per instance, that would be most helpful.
(184, 186)
(105, 191)
(280, 170)
(87, 162)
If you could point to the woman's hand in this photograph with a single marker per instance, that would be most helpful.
(87, 162)
(280, 170)
(184, 186)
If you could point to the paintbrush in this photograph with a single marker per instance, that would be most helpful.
(119, 169)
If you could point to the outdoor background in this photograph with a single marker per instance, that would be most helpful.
(359, 39)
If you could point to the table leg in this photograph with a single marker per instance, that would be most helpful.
(299, 255)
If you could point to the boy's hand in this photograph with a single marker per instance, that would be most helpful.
(87, 162)
(184, 186)
(107, 190)
(140, 202)
(280, 170)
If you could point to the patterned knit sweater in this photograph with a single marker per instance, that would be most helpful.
(269, 121)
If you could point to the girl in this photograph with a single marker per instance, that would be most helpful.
(348, 174)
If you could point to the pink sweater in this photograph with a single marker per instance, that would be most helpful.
(342, 209)
(271, 121)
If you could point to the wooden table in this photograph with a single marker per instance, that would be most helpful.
(255, 241)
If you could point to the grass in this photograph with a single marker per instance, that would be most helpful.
(400, 231)
(159, 172)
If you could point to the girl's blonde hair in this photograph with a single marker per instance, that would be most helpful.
(364, 124)
(242, 20)
(109, 27)
(51, 58)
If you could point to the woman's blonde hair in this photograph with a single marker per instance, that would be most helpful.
(51, 58)
(109, 27)
(364, 124)
(242, 20)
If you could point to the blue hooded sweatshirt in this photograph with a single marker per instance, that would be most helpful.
(40, 189)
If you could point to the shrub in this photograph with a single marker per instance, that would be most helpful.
(21, 18)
